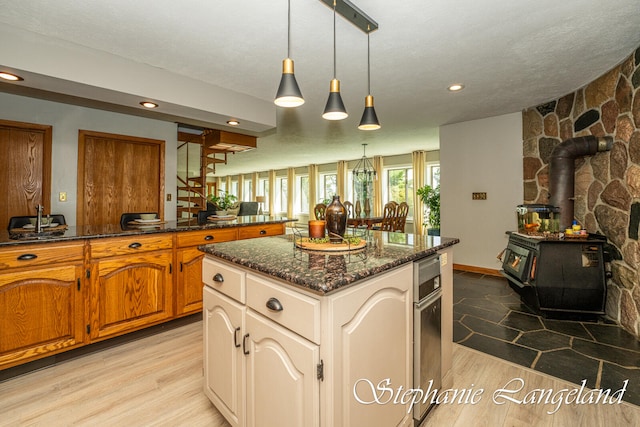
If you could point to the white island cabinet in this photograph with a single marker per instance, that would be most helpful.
(278, 355)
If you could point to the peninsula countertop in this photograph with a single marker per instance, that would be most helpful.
(115, 230)
(325, 272)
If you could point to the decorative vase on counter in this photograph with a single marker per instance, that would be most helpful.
(336, 217)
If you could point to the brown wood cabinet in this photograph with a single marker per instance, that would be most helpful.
(58, 296)
(262, 230)
(188, 295)
(42, 294)
(131, 284)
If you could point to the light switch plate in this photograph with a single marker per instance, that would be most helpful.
(62, 196)
(479, 196)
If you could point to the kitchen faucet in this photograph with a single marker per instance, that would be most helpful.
(39, 209)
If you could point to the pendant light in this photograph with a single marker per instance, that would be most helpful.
(369, 119)
(334, 110)
(288, 94)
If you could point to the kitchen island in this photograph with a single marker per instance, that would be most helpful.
(297, 337)
(79, 285)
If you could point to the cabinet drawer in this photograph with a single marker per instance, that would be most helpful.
(264, 230)
(297, 312)
(28, 255)
(224, 278)
(203, 237)
(101, 248)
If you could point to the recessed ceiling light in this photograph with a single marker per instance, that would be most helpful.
(233, 122)
(455, 87)
(11, 77)
(149, 104)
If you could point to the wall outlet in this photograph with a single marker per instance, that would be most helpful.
(479, 196)
(443, 260)
(62, 196)
(168, 197)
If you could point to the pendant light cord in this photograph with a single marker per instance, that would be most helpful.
(368, 65)
(289, 29)
(334, 39)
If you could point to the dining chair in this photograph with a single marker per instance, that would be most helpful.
(401, 217)
(319, 209)
(388, 217)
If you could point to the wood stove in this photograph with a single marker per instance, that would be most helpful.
(557, 275)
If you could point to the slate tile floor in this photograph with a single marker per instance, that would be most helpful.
(489, 317)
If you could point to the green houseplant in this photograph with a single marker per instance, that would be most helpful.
(430, 196)
(223, 203)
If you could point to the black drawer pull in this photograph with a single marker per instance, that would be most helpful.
(263, 232)
(218, 278)
(208, 238)
(274, 305)
(244, 344)
(27, 257)
(135, 245)
(235, 337)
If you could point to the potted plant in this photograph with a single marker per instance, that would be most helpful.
(223, 203)
(430, 196)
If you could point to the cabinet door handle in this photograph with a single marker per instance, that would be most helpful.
(244, 345)
(208, 237)
(263, 232)
(135, 245)
(235, 337)
(274, 305)
(218, 278)
(27, 257)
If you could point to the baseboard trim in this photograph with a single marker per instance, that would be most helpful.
(480, 270)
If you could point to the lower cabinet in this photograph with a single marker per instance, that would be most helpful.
(290, 358)
(41, 305)
(133, 288)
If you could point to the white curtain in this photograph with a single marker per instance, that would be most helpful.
(291, 177)
(240, 187)
(419, 159)
(254, 184)
(272, 191)
(341, 180)
(313, 188)
(378, 165)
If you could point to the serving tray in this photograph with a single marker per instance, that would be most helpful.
(304, 243)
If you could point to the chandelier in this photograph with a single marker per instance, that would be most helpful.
(364, 170)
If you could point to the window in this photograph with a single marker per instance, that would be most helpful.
(433, 175)
(280, 204)
(234, 188)
(263, 190)
(400, 187)
(247, 190)
(301, 204)
(328, 186)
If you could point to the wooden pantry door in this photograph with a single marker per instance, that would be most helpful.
(118, 174)
(25, 169)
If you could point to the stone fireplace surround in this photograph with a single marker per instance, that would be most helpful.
(607, 185)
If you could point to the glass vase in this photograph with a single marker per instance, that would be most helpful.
(336, 218)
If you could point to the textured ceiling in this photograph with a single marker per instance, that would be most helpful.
(509, 54)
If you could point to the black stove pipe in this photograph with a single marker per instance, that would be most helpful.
(562, 171)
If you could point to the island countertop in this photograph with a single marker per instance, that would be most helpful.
(325, 272)
(115, 230)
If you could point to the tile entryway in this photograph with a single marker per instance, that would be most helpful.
(489, 317)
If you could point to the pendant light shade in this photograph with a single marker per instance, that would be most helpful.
(289, 94)
(334, 110)
(369, 119)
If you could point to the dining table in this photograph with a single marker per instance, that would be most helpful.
(369, 221)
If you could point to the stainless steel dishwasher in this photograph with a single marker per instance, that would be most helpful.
(427, 335)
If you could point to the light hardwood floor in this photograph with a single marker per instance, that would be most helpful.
(157, 381)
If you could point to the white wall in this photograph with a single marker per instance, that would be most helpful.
(481, 156)
(66, 121)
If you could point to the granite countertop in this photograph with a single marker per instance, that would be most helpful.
(114, 230)
(325, 272)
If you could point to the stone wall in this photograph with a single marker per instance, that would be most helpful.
(607, 185)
